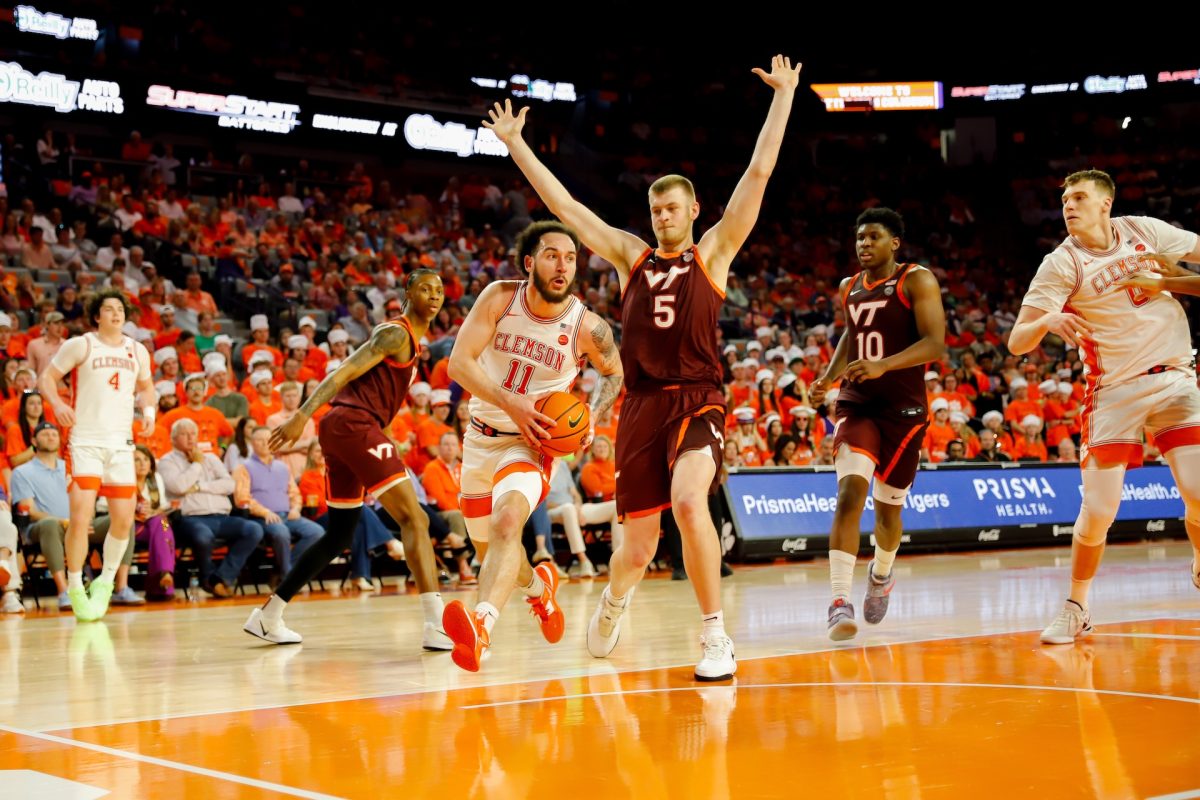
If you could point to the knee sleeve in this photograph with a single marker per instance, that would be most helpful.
(848, 462)
(1101, 499)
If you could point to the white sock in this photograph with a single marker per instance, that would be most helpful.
(74, 580)
(490, 615)
(714, 623)
(883, 561)
(613, 599)
(841, 573)
(114, 552)
(431, 604)
(535, 587)
(273, 610)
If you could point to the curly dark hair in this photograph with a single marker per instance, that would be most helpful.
(97, 300)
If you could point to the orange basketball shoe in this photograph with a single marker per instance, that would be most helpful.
(470, 637)
(545, 607)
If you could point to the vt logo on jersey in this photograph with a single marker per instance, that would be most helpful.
(655, 278)
(382, 451)
(857, 309)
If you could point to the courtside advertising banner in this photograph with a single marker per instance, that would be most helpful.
(793, 510)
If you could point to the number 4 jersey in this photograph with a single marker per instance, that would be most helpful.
(1132, 331)
(530, 355)
(103, 381)
(880, 323)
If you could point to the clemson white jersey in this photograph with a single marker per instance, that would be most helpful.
(104, 382)
(1133, 332)
(530, 355)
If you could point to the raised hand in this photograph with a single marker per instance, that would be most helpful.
(783, 77)
(504, 123)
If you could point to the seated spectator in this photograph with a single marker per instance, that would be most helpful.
(43, 348)
(266, 402)
(430, 432)
(265, 488)
(39, 489)
(565, 505)
(1067, 452)
(294, 457)
(10, 572)
(239, 447)
(442, 483)
(1030, 447)
(825, 453)
(210, 423)
(598, 476)
(260, 333)
(956, 450)
(232, 405)
(198, 482)
(36, 254)
(989, 447)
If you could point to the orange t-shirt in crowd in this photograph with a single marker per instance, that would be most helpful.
(442, 483)
(313, 491)
(599, 478)
(212, 425)
(439, 377)
(1023, 448)
(12, 409)
(260, 412)
(1019, 409)
(936, 439)
(428, 435)
(315, 360)
(158, 440)
(250, 349)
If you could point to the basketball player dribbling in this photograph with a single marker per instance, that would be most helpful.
(895, 325)
(670, 435)
(520, 341)
(1100, 291)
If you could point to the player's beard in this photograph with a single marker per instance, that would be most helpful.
(543, 288)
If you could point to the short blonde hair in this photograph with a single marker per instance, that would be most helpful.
(1102, 179)
(668, 182)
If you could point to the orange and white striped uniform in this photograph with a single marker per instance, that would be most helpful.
(1138, 366)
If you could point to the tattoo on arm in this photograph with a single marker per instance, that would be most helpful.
(608, 360)
(390, 340)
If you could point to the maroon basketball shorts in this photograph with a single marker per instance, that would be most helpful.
(892, 444)
(654, 430)
(358, 456)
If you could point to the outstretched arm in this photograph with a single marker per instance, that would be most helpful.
(386, 340)
(722, 242)
(614, 245)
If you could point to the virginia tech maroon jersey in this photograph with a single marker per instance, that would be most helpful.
(381, 390)
(880, 323)
(669, 323)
